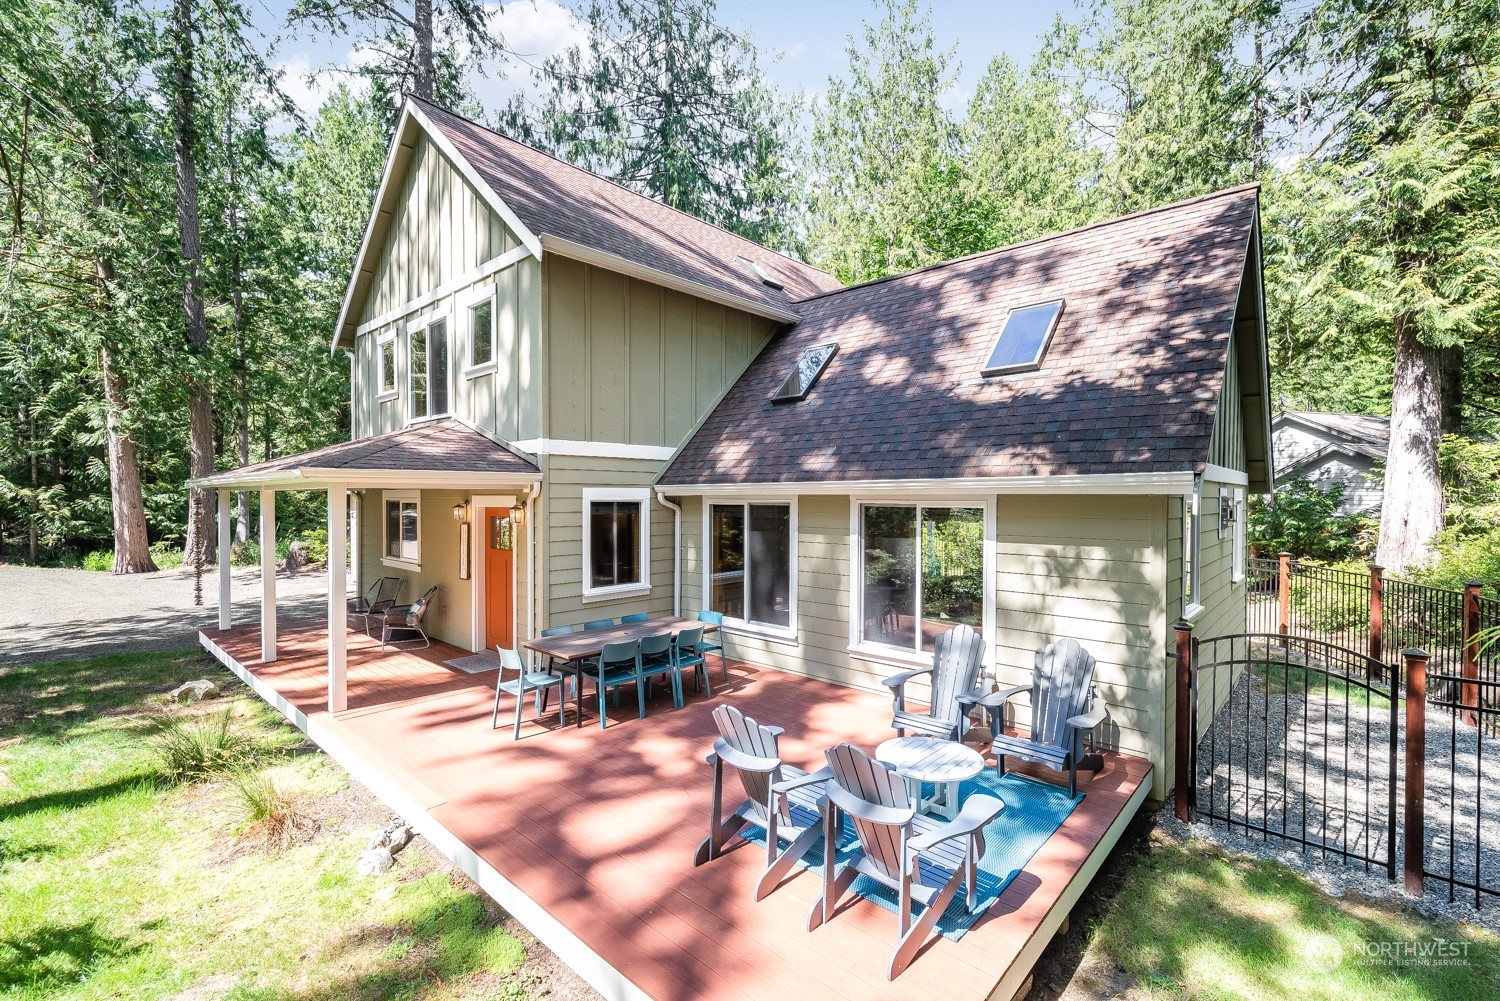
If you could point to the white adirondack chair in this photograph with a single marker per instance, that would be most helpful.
(922, 859)
(954, 673)
(780, 799)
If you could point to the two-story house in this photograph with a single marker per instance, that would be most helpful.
(571, 402)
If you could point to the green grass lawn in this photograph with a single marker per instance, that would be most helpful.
(1192, 922)
(115, 882)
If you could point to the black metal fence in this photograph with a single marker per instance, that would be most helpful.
(1462, 832)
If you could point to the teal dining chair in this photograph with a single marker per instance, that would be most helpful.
(618, 664)
(707, 645)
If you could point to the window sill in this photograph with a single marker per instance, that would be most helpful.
(617, 593)
(386, 396)
(414, 421)
(753, 630)
(396, 564)
(890, 657)
(1193, 612)
(475, 371)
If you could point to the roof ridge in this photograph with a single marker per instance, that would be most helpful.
(622, 187)
(1140, 213)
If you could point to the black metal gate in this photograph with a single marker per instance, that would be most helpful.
(1294, 738)
(1459, 842)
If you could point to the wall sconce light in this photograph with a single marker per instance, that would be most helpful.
(461, 511)
(516, 513)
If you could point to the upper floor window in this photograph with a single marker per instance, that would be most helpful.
(386, 354)
(616, 541)
(750, 573)
(427, 369)
(482, 332)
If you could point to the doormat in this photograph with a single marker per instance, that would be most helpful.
(475, 663)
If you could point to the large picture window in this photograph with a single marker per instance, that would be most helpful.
(923, 573)
(403, 527)
(427, 369)
(750, 572)
(615, 533)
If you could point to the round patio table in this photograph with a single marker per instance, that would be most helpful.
(945, 763)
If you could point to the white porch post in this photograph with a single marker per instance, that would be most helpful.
(267, 576)
(225, 578)
(338, 604)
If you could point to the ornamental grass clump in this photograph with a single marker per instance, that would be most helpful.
(274, 817)
(191, 748)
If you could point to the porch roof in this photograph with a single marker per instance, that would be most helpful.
(441, 453)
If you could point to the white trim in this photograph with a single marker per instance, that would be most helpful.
(425, 323)
(625, 266)
(967, 489)
(1223, 474)
(478, 559)
(446, 289)
(465, 307)
(1192, 552)
(226, 568)
(595, 449)
(623, 495)
(589, 965)
(401, 497)
(338, 598)
(1237, 573)
(495, 202)
(318, 478)
(1191, 612)
(743, 626)
(882, 653)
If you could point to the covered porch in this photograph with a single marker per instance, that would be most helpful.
(587, 835)
(389, 499)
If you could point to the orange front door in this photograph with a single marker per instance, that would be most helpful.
(499, 578)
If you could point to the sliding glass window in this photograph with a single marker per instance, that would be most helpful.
(923, 573)
(750, 573)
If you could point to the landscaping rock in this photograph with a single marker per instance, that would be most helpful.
(375, 861)
(194, 691)
(393, 836)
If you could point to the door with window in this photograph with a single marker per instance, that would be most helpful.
(499, 578)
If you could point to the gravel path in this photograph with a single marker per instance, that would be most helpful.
(48, 613)
(1309, 773)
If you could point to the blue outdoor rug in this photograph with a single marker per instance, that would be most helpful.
(1033, 810)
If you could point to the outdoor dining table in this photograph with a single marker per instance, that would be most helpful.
(575, 648)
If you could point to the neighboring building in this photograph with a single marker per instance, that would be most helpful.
(1328, 449)
(636, 411)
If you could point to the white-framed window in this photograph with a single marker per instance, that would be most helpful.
(1192, 554)
(402, 531)
(921, 569)
(480, 330)
(616, 542)
(750, 574)
(1240, 537)
(427, 354)
(385, 361)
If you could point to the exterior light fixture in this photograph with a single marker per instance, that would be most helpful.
(461, 511)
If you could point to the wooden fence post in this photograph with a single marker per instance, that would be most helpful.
(1377, 617)
(1471, 652)
(1184, 756)
(1284, 598)
(1415, 669)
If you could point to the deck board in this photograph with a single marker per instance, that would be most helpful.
(598, 827)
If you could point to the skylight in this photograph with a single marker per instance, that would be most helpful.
(1024, 338)
(765, 276)
(805, 373)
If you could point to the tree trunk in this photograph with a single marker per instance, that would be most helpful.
(127, 503)
(1453, 389)
(1413, 510)
(200, 543)
(425, 72)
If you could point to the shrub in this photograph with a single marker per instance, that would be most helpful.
(99, 560)
(273, 811)
(1301, 518)
(166, 555)
(192, 748)
(317, 544)
(245, 554)
(1329, 606)
(1464, 555)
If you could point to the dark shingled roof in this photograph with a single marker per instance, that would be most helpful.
(554, 198)
(438, 446)
(1130, 382)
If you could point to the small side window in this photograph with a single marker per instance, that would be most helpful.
(386, 349)
(481, 333)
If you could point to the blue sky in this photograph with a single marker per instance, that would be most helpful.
(810, 34)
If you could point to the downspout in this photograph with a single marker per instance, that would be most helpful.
(531, 629)
(661, 499)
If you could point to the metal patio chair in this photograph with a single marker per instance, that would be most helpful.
(657, 662)
(779, 799)
(954, 674)
(1061, 691)
(407, 619)
(618, 664)
(525, 681)
(626, 620)
(715, 619)
(924, 860)
(378, 599)
(687, 655)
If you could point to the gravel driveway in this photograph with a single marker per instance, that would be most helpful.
(48, 613)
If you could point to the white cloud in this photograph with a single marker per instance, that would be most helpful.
(308, 85)
(536, 29)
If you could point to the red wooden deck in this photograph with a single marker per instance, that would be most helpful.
(598, 827)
